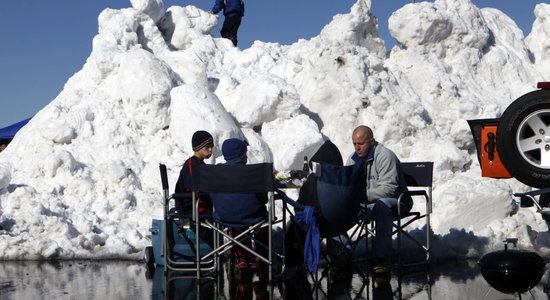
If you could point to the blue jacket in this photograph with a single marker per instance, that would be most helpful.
(230, 7)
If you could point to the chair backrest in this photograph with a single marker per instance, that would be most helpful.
(253, 178)
(340, 191)
(418, 174)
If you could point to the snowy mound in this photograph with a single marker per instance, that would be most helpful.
(81, 180)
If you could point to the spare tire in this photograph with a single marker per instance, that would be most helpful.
(523, 139)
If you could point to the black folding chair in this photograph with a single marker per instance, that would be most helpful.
(528, 199)
(419, 178)
(181, 235)
(253, 178)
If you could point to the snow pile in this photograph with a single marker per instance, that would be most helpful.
(81, 179)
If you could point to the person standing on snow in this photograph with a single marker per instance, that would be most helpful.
(233, 10)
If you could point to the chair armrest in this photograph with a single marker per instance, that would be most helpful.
(417, 193)
(533, 193)
(528, 198)
(181, 195)
(413, 193)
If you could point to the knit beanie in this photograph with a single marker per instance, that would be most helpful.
(234, 150)
(201, 139)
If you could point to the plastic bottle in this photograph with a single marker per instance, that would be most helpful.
(305, 169)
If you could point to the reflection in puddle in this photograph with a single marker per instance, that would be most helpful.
(73, 280)
(131, 280)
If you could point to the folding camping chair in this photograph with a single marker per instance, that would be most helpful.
(253, 178)
(528, 199)
(334, 202)
(180, 238)
(419, 177)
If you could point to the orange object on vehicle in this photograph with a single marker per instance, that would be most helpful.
(491, 166)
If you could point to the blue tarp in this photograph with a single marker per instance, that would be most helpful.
(8, 132)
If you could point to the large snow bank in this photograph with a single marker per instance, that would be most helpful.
(81, 179)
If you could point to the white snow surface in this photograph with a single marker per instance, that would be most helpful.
(81, 179)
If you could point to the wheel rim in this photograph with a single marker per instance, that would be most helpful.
(533, 139)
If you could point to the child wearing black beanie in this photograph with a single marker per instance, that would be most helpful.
(202, 143)
(201, 139)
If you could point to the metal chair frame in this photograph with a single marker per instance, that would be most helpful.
(171, 264)
(223, 179)
(419, 176)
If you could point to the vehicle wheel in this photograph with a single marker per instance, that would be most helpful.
(523, 139)
(149, 257)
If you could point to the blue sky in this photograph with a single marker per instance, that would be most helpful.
(43, 43)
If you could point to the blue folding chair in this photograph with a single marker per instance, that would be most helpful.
(334, 194)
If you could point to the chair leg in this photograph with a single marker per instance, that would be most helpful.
(424, 245)
(399, 244)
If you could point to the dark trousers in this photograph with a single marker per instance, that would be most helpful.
(261, 236)
(230, 27)
(294, 242)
